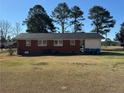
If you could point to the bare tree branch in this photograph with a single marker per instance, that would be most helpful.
(17, 29)
(5, 29)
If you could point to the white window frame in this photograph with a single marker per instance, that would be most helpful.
(72, 42)
(28, 42)
(41, 42)
(59, 43)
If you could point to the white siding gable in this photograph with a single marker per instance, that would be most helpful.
(93, 43)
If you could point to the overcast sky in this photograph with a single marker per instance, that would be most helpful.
(17, 10)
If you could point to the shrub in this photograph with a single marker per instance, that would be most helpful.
(11, 51)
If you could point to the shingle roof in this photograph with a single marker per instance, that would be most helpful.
(50, 36)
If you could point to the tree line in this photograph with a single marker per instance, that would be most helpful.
(63, 18)
(8, 34)
(7, 31)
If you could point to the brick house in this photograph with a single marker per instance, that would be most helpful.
(39, 43)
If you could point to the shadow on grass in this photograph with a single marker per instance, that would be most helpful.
(114, 53)
(103, 53)
(58, 54)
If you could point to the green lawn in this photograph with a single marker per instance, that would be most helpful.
(63, 74)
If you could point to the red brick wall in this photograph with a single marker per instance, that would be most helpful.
(66, 46)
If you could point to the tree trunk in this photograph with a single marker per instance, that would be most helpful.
(1, 45)
(97, 30)
(63, 27)
(75, 28)
(1, 39)
(106, 42)
(75, 25)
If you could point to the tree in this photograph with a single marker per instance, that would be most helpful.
(60, 15)
(8, 38)
(120, 35)
(17, 28)
(77, 16)
(38, 21)
(101, 19)
(5, 30)
(108, 41)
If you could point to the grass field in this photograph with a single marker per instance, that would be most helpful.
(63, 74)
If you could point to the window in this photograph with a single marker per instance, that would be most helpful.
(28, 42)
(58, 42)
(72, 42)
(42, 42)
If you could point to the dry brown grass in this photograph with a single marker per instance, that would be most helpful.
(62, 74)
